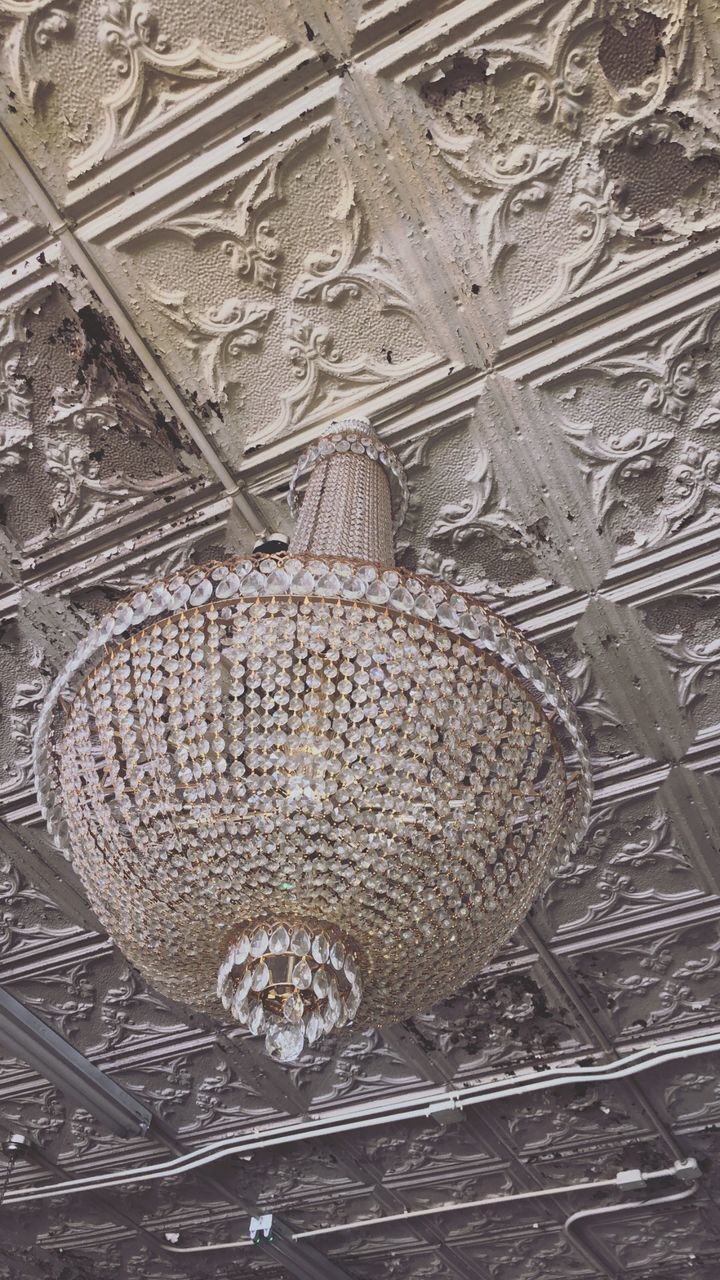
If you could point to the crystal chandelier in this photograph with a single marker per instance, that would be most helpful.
(311, 788)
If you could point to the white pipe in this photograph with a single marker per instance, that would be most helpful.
(79, 254)
(453, 1206)
(603, 1210)
(357, 1117)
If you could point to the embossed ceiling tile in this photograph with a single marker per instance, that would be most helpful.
(303, 1215)
(704, 1145)
(684, 625)
(455, 1187)
(195, 1089)
(460, 525)
(606, 732)
(692, 801)
(705, 1268)
(519, 1256)
(669, 979)
(645, 1151)
(173, 1199)
(21, 227)
(303, 1190)
(415, 1265)
(424, 218)
(517, 1017)
(689, 1094)
(422, 1153)
(33, 1107)
(81, 442)
(572, 1121)
(85, 1141)
(75, 1222)
(582, 140)
(542, 481)
(630, 866)
(661, 1238)
(30, 922)
(356, 27)
(374, 1240)
(269, 297)
(25, 678)
(97, 1002)
(642, 417)
(635, 677)
(357, 1067)
(90, 80)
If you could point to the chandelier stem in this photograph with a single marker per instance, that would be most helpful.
(347, 505)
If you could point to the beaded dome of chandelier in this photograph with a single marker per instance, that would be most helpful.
(312, 788)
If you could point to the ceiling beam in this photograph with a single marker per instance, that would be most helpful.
(302, 1260)
(47, 1052)
(593, 1027)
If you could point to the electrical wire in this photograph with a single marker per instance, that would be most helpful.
(418, 1107)
(604, 1210)
(454, 1206)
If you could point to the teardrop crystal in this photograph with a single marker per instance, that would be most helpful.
(300, 942)
(241, 950)
(259, 943)
(302, 975)
(294, 1008)
(320, 984)
(320, 948)
(284, 1041)
(313, 1027)
(256, 1018)
(279, 940)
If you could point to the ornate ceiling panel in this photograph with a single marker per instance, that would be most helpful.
(492, 226)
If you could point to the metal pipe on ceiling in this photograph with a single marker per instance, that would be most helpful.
(633, 1177)
(48, 1053)
(608, 1209)
(424, 1106)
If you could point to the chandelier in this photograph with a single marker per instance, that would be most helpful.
(311, 788)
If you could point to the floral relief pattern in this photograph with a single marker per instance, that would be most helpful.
(153, 75)
(631, 862)
(668, 386)
(669, 980)
(16, 428)
(221, 335)
(28, 919)
(666, 371)
(485, 512)
(141, 69)
(314, 308)
(599, 90)
(27, 29)
(29, 695)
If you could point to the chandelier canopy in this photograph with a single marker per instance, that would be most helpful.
(311, 788)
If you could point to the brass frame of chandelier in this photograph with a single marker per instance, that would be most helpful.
(339, 782)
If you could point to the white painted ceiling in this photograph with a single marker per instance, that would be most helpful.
(495, 229)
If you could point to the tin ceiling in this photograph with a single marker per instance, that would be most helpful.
(495, 229)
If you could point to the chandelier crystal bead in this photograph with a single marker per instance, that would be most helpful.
(312, 788)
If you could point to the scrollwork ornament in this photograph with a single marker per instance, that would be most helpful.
(27, 30)
(153, 75)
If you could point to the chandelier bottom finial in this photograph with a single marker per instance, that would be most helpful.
(291, 984)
